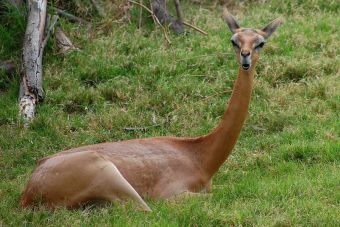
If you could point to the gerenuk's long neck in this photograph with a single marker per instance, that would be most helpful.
(217, 146)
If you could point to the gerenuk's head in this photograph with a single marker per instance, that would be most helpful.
(248, 42)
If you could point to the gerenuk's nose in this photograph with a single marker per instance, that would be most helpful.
(245, 53)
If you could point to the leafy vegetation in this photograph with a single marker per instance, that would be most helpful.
(284, 170)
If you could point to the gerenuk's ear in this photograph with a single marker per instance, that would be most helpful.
(271, 27)
(230, 20)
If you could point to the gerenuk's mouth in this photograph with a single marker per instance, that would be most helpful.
(245, 66)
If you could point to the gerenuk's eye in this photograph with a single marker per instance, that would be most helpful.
(260, 45)
(234, 44)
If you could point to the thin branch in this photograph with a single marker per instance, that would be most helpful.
(133, 129)
(142, 129)
(49, 28)
(141, 5)
(179, 12)
(71, 17)
(140, 15)
(194, 27)
(155, 19)
(127, 13)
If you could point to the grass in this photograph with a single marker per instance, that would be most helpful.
(284, 170)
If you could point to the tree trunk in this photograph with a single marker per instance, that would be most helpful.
(179, 12)
(160, 10)
(31, 91)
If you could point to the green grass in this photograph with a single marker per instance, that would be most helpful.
(285, 168)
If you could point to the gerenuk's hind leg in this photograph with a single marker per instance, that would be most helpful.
(119, 187)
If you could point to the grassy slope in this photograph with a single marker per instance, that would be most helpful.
(285, 168)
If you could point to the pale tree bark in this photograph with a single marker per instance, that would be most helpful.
(31, 91)
(38, 30)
